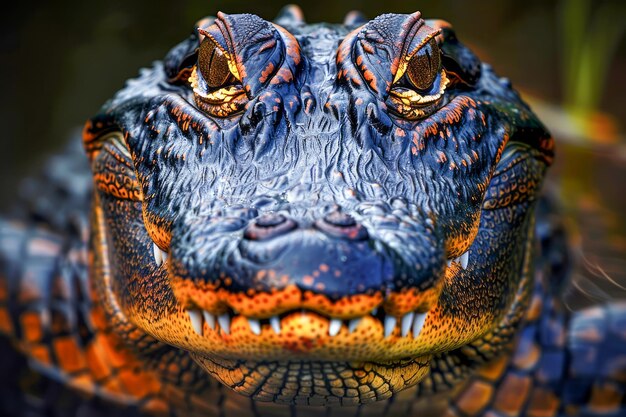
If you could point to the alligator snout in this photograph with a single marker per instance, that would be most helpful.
(336, 265)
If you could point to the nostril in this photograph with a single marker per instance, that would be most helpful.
(269, 226)
(342, 225)
(339, 219)
(270, 220)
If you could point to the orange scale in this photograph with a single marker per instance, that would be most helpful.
(400, 303)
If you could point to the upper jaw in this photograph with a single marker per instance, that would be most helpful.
(294, 323)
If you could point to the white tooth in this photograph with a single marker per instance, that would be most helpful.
(157, 254)
(449, 263)
(353, 324)
(196, 320)
(163, 256)
(407, 321)
(334, 327)
(464, 259)
(224, 321)
(210, 319)
(255, 326)
(275, 323)
(418, 323)
(390, 324)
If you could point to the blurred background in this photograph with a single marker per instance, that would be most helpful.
(60, 61)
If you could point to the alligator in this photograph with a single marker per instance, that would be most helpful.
(292, 219)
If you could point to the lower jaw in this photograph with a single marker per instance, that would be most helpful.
(316, 383)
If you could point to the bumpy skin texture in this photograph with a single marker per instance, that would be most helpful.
(291, 219)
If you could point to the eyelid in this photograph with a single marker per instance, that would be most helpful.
(404, 61)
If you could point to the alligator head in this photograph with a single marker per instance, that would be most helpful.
(314, 212)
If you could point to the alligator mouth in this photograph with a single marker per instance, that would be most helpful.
(294, 324)
(304, 348)
(410, 325)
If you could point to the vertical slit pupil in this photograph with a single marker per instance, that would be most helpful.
(424, 66)
(213, 64)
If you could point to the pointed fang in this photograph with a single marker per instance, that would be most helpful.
(464, 259)
(224, 321)
(157, 254)
(275, 323)
(334, 327)
(418, 324)
(210, 319)
(196, 320)
(255, 326)
(390, 324)
(353, 324)
(407, 322)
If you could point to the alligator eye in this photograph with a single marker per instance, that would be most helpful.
(215, 81)
(424, 66)
(213, 64)
(419, 84)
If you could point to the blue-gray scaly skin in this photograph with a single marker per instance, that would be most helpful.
(315, 216)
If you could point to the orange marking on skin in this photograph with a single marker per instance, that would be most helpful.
(400, 303)
(137, 383)
(41, 354)
(606, 398)
(108, 349)
(98, 366)
(512, 394)
(400, 132)
(494, 369)
(264, 305)
(543, 403)
(269, 69)
(69, 354)
(292, 47)
(367, 47)
(475, 397)
(283, 75)
(113, 386)
(6, 326)
(31, 325)
(84, 384)
(267, 45)
(156, 406)
(395, 63)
